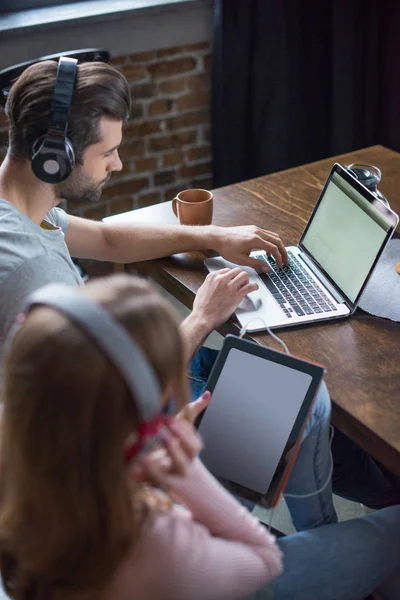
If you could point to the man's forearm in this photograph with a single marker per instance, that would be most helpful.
(194, 331)
(127, 243)
(134, 243)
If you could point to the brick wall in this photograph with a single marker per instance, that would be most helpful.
(166, 144)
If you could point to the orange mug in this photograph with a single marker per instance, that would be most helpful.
(193, 207)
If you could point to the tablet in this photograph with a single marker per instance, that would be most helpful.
(252, 428)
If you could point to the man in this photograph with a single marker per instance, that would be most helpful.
(37, 239)
(32, 229)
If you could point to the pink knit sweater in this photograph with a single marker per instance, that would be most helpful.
(213, 549)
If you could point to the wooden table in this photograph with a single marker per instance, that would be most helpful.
(361, 354)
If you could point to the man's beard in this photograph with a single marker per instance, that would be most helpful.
(81, 188)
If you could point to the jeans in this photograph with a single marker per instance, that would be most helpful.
(356, 475)
(344, 561)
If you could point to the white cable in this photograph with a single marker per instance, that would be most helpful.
(279, 340)
(193, 378)
(271, 516)
(315, 493)
(243, 332)
(328, 480)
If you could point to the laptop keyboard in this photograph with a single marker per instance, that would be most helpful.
(293, 288)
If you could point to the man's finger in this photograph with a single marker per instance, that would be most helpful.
(221, 271)
(271, 248)
(258, 265)
(241, 279)
(274, 238)
(232, 273)
(247, 289)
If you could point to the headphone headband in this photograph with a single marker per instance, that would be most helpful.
(111, 337)
(62, 97)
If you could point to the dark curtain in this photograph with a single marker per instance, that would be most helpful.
(299, 80)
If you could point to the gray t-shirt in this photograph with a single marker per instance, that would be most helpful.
(30, 256)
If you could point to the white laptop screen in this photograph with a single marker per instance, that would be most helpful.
(345, 235)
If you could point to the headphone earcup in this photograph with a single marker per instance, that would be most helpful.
(52, 158)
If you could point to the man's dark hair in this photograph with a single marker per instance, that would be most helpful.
(100, 91)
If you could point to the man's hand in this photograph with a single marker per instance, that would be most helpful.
(216, 300)
(221, 293)
(236, 243)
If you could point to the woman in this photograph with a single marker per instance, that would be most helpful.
(80, 521)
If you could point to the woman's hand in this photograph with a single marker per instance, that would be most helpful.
(181, 445)
(165, 466)
(194, 409)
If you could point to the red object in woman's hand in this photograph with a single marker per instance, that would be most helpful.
(148, 435)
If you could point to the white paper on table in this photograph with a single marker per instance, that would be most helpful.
(160, 213)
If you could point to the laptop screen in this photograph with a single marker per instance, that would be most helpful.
(345, 235)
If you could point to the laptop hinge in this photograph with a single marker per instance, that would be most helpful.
(323, 279)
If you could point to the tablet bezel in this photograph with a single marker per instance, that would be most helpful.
(292, 446)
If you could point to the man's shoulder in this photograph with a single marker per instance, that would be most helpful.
(27, 276)
(58, 218)
(22, 240)
(10, 216)
(17, 242)
(11, 219)
(14, 222)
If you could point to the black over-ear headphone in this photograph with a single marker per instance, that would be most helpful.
(369, 176)
(53, 155)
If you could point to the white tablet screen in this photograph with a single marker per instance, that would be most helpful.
(247, 424)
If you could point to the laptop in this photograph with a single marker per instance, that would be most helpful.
(329, 268)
